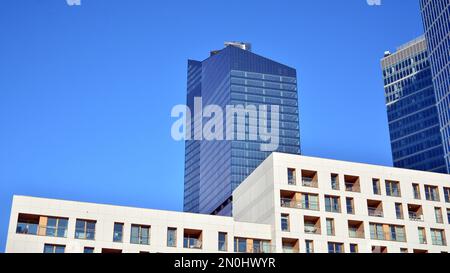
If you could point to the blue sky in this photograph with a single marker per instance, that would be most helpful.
(86, 92)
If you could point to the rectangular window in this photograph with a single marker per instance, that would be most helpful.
(335, 248)
(438, 237)
(353, 248)
(223, 241)
(432, 193)
(377, 232)
(309, 246)
(393, 188)
(85, 229)
(376, 186)
(335, 181)
(240, 245)
(422, 235)
(171, 237)
(330, 227)
(399, 210)
(118, 233)
(416, 191)
(350, 205)
(56, 227)
(447, 194)
(438, 215)
(285, 222)
(448, 216)
(48, 248)
(88, 250)
(332, 204)
(140, 235)
(292, 179)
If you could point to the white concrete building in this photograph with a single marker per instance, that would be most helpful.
(289, 203)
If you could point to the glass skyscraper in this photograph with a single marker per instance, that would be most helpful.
(436, 19)
(235, 76)
(414, 127)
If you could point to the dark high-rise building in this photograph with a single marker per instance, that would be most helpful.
(414, 127)
(235, 76)
(436, 19)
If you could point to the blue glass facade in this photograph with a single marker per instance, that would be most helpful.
(416, 140)
(436, 19)
(234, 76)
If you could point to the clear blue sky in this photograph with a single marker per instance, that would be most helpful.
(86, 92)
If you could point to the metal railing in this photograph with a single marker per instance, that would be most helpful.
(356, 234)
(414, 216)
(140, 240)
(310, 229)
(389, 236)
(374, 212)
(309, 205)
(36, 229)
(352, 187)
(292, 181)
(309, 182)
(192, 243)
(85, 234)
(289, 249)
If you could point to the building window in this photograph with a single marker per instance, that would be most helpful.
(403, 250)
(85, 229)
(350, 205)
(376, 186)
(330, 227)
(240, 245)
(309, 246)
(118, 233)
(335, 248)
(285, 222)
(56, 227)
(438, 237)
(393, 188)
(432, 193)
(261, 246)
(88, 250)
(422, 235)
(292, 177)
(448, 216)
(171, 237)
(332, 204)
(48, 248)
(335, 181)
(140, 235)
(416, 191)
(447, 194)
(352, 183)
(399, 210)
(223, 241)
(438, 215)
(353, 248)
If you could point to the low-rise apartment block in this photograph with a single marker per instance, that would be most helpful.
(290, 204)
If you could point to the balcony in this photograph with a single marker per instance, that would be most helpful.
(375, 208)
(309, 179)
(312, 225)
(356, 229)
(192, 239)
(290, 245)
(415, 213)
(308, 205)
(352, 183)
(42, 226)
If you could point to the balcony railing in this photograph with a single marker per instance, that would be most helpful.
(414, 216)
(309, 205)
(389, 236)
(292, 181)
(311, 230)
(352, 187)
(289, 249)
(35, 229)
(192, 243)
(374, 212)
(85, 234)
(309, 182)
(355, 234)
